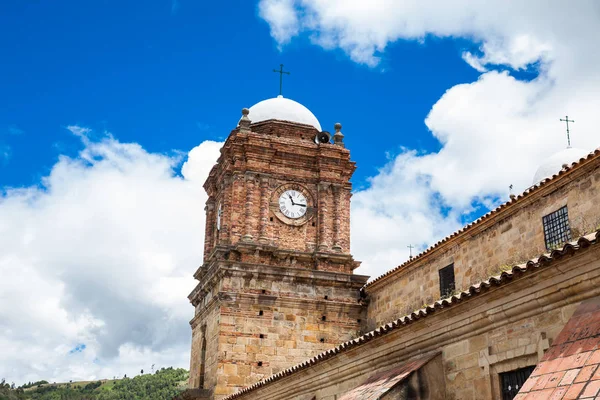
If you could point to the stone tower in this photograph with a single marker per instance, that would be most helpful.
(276, 285)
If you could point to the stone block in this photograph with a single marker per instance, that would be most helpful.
(469, 360)
(456, 349)
(230, 369)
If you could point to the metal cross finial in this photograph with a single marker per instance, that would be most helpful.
(281, 72)
(567, 120)
(410, 247)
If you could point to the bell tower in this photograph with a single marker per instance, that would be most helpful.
(276, 285)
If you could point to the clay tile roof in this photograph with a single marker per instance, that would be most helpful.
(474, 290)
(570, 368)
(382, 382)
(509, 204)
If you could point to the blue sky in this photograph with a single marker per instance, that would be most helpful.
(170, 77)
(443, 108)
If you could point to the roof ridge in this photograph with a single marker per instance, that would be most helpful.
(525, 194)
(473, 290)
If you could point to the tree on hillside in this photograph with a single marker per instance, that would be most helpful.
(8, 392)
(164, 384)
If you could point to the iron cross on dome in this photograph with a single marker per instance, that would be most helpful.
(281, 72)
(567, 120)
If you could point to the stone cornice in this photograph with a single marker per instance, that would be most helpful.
(308, 128)
(221, 252)
(221, 268)
(282, 253)
(201, 315)
(242, 147)
(288, 301)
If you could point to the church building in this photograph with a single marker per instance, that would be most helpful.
(505, 308)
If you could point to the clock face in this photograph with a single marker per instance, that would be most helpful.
(292, 203)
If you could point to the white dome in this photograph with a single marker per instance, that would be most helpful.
(553, 164)
(283, 109)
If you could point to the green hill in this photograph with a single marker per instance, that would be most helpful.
(164, 384)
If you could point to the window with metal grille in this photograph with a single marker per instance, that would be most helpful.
(556, 227)
(446, 280)
(512, 381)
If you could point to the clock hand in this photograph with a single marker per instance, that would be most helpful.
(292, 200)
(301, 205)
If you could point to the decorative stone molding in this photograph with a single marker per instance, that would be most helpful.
(338, 137)
(250, 198)
(324, 233)
(245, 122)
(337, 209)
(264, 209)
(209, 227)
(533, 349)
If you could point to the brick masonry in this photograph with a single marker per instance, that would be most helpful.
(273, 291)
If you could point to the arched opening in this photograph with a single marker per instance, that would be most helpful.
(202, 358)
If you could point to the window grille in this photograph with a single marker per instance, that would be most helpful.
(556, 227)
(447, 280)
(513, 381)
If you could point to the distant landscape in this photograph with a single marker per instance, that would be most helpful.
(161, 385)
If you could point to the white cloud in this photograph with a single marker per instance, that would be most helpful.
(101, 255)
(512, 32)
(398, 209)
(15, 130)
(5, 153)
(494, 131)
(175, 6)
(281, 15)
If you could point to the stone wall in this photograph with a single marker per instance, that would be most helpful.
(506, 327)
(273, 290)
(205, 325)
(508, 237)
(291, 333)
(263, 319)
(473, 365)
